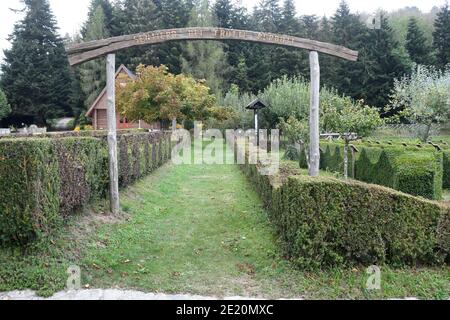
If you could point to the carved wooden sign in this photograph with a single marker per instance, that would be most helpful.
(82, 52)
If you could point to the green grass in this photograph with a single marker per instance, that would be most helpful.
(194, 229)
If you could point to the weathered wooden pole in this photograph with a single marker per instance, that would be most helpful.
(314, 146)
(174, 124)
(112, 133)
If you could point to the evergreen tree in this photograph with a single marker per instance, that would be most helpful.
(416, 43)
(290, 61)
(205, 59)
(173, 14)
(349, 31)
(326, 62)
(383, 62)
(241, 79)
(268, 16)
(233, 17)
(441, 36)
(143, 17)
(93, 73)
(310, 26)
(263, 68)
(111, 21)
(5, 108)
(36, 75)
(289, 23)
(224, 11)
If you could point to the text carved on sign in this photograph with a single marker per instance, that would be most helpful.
(82, 52)
(154, 36)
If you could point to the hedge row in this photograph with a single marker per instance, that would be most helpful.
(444, 146)
(326, 222)
(43, 181)
(416, 172)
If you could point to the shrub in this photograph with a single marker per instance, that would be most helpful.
(328, 222)
(46, 180)
(413, 171)
(325, 222)
(30, 183)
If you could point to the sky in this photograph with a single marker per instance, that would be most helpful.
(71, 14)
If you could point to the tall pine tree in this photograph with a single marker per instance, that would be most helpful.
(173, 14)
(230, 16)
(36, 75)
(267, 17)
(348, 31)
(205, 59)
(416, 44)
(289, 61)
(93, 73)
(140, 16)
(441, 36)
(111, 21)
(383, 62)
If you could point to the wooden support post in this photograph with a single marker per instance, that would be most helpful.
(112, 133)
(314, 146)
(257, 127)
(174, 124)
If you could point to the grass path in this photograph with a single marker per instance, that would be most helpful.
(199, 230)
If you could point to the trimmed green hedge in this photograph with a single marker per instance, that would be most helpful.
(326, 222)
(416, 172)
(45, 180)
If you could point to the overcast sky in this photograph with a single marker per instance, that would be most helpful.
(71, 13)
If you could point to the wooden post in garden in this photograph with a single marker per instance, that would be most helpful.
(112, 133)
(174, 124)
(314, 146)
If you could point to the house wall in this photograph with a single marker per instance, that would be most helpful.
(100, 122)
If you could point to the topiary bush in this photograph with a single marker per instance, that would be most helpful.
(46, 180)
(415, 171)
(329, 222)
(325, 222)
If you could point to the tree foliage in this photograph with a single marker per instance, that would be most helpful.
(205, 59)
(36, 76)
(158, 95)
(5, 108)
(416, 44)
(441, 36)
(350, 117)
(93, 73)
(423, 97)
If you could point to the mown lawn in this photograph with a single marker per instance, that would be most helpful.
(194, 229)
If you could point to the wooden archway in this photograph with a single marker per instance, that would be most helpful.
(83, 52)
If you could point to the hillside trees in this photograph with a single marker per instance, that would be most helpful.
(205, 59)
(93, 73)
(416, 44)
(441, 37)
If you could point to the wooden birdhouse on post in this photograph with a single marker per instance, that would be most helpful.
(256, 105)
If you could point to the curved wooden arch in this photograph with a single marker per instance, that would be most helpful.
(79, 53)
